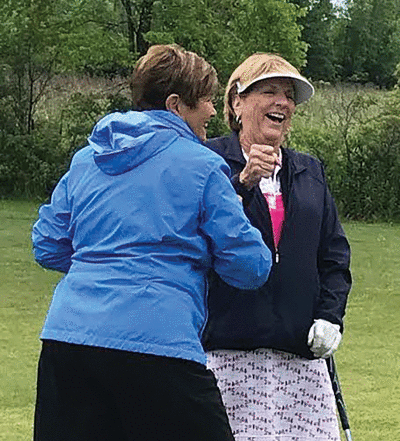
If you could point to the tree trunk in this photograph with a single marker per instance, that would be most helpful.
(131, 24)
(144, 26)
(137, 43)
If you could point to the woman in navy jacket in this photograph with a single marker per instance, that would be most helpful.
(142, 215)
(265, 348)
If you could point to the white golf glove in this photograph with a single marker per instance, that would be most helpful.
(324, 338)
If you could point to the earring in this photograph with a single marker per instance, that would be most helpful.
(238, 119)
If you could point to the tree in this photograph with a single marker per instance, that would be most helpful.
(139, 17)
(27, 55)
(92, 34)
(226, 32)
(372, 41)
(318, 32)
(42, 37)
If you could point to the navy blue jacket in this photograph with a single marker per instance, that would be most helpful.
(310, 277)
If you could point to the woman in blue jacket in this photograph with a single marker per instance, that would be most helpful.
(266, 348)
(144, 212)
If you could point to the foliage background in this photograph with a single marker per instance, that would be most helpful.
(65, 63)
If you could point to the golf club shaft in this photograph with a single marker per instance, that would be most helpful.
(338, 396)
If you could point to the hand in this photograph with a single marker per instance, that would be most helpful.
(261, 164)
(324, 338)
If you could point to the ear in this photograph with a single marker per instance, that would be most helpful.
(237, 104)
(172, 103)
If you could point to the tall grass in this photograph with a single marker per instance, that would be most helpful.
(368, 360)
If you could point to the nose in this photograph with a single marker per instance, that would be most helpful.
(281, 98)
(212, 110)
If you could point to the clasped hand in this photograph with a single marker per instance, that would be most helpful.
(261, 164)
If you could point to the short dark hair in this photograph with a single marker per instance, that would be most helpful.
(168, 69)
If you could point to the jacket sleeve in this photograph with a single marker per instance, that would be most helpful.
(217, 145)
(333, 266)
(240, 256)
(52, 245)
(246, 195)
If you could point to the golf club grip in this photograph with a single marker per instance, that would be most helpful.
(338, 394)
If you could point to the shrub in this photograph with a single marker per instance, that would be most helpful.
(358, 140)
(31, 164)
(371, 189)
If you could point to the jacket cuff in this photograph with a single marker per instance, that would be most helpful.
(241, 190)
(331, 319)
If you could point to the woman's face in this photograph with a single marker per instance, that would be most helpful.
(266, 112)
(198, 117)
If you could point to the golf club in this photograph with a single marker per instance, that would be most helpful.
(338, 396)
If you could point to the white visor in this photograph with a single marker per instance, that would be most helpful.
(303, 89)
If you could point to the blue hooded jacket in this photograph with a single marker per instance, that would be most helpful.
(143, 213)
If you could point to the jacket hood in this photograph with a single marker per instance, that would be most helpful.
(123, 141)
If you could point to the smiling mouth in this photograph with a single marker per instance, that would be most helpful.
(276, 117)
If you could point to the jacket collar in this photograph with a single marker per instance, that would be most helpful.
(292, 160)
(233, 150)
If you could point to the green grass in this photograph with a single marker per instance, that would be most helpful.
(25, 295)
(368, 360)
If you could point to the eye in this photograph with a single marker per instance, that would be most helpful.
(290, 96)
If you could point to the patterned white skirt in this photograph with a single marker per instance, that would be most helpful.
(275, 396)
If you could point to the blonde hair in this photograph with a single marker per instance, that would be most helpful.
(253, 67)
(168, 69)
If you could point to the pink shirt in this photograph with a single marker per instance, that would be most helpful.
(277, 212)
(271, 189)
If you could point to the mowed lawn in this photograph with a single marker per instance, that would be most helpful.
(368, 360)
(25, 295)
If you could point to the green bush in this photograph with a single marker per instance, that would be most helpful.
(371, 188)
(356, 134)
(31, 164)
